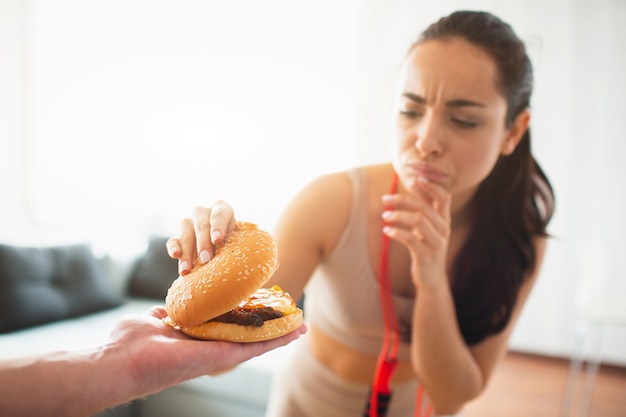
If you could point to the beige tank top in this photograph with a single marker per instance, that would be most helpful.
(342, 297)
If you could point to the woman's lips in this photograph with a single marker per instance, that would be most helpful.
(427, 171)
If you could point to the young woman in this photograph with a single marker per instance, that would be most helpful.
(416, 270)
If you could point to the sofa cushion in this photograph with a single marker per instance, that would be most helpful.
(45, 284)
(154, 272)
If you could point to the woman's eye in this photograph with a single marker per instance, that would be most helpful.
(464, 123)
(410, 114)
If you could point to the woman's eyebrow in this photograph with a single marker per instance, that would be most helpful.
(464, 103)
(452, 103)
(415, 98)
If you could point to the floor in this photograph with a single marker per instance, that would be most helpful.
(533, 386)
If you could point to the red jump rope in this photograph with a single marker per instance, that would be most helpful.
(380, 395)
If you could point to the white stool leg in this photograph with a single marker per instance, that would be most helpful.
(593, 365)
(577, 361)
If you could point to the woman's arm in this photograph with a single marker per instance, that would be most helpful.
(309, 228)
(451, 372)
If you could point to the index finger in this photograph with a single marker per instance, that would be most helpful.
(222, 220)
(441, 197)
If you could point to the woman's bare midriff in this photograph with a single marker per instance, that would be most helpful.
(348, 363)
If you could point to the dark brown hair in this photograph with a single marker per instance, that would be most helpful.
(515, 202)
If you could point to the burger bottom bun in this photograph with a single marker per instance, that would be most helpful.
(271, 329)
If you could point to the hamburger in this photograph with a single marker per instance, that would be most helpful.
(223, 299)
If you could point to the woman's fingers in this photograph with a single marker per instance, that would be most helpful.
(201, 219)
(173, 247)
(207, 227)
(211, 226)
(420, 221)
(431, 203)
(222, 220)
(414, 228)
(440, 197)
(187, 245)
(411, 213)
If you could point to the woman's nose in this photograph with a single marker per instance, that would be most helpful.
(428, 140)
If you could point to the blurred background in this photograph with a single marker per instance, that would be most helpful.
(118, 117)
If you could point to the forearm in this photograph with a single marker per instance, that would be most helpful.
(63, 384)
(442, 360)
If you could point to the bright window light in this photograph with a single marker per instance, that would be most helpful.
(149, 112)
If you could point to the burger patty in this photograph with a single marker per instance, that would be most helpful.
(253, 317)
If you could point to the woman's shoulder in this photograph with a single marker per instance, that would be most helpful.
(339, 184)
(334, 189)
(371, 173)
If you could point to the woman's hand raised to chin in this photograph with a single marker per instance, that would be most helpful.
(206, 227)
(421, 221)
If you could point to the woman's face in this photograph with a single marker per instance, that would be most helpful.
(451, 118)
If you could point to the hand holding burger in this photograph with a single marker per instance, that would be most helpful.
(222, 299)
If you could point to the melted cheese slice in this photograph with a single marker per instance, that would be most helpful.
(273, 297)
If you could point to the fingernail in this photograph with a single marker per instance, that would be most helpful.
(183, 266)
(205, 256)
(215, 235)
(386, 215)
(173, 251)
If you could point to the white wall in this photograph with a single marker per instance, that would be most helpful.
(12, 114)
(144, 109)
